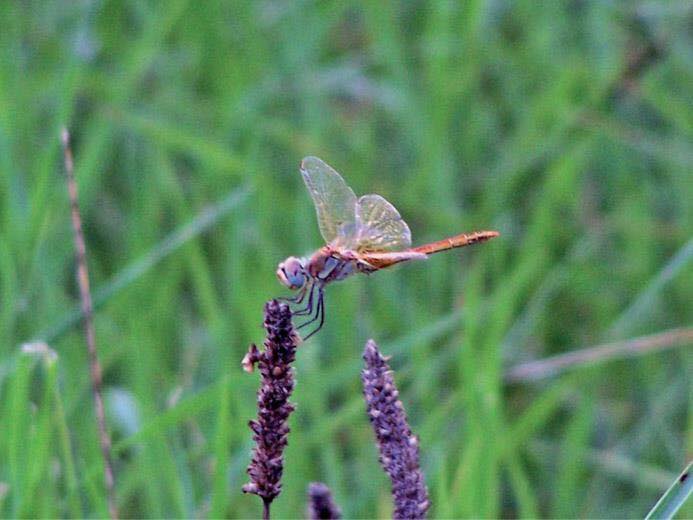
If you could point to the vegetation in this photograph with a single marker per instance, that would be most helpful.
(565, 125)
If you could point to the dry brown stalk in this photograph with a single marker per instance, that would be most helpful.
(88, 315)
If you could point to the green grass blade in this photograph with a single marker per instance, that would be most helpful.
(203, 221)
(673, 498)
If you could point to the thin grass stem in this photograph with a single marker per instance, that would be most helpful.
(550, 366)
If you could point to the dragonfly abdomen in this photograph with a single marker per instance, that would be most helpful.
(461, 240)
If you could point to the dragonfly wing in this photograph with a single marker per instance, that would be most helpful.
(335, 202)
(380, 226)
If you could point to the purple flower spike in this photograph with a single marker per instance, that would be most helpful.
(399, 448)
(271, 429)
(320, 503)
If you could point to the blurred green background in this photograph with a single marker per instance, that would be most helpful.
(565, 125)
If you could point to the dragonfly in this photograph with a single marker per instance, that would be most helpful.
(362, 235)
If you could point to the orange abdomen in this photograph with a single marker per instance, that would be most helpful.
(461, 240)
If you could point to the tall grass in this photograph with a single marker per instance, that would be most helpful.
(567, 127)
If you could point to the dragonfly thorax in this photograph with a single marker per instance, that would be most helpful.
(292, 273)
(328, 265)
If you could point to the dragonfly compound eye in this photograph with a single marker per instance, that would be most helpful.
(290, 273)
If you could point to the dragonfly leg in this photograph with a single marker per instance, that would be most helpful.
(308, 309)
(316, 315)
(321, 313)
(301, 294)
(297, 298)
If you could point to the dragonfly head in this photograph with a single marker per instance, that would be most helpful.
(292, 273)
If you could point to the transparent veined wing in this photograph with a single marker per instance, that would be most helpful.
(335, 202)
(380, 226)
